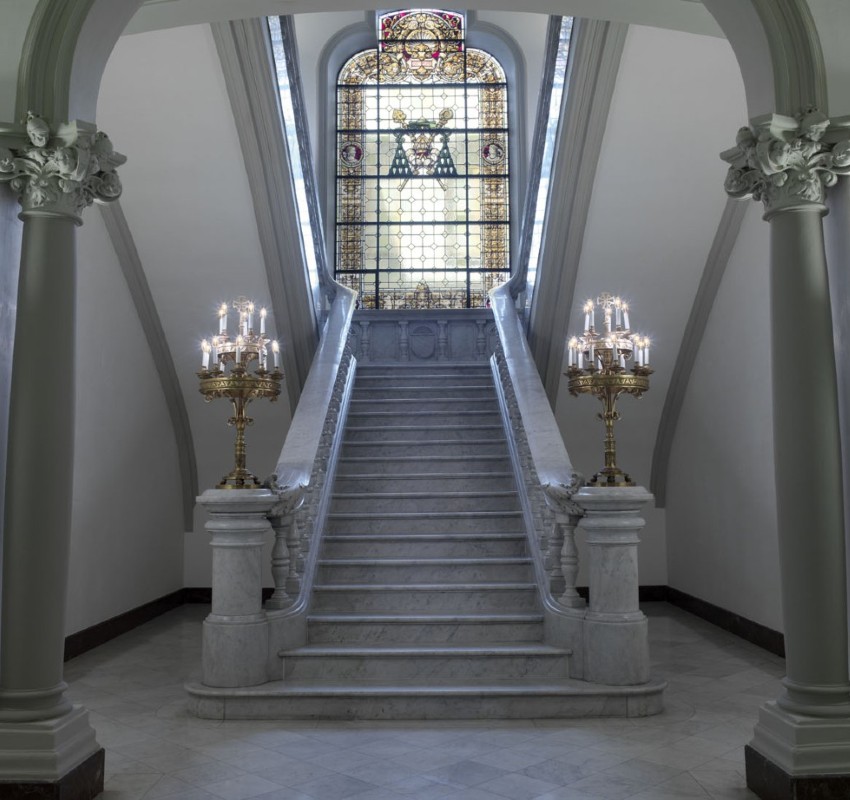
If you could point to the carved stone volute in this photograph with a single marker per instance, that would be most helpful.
(785, 163)
(60, 172)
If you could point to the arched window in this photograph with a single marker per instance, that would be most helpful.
(422, 195)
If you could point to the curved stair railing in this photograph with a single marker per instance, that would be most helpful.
(303, 477)
(546, 478)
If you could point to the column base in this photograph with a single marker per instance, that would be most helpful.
(235, 653)
(56, 758)
(770, 782)
(799, 757)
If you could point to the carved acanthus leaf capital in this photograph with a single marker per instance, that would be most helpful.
(61, 172)
(785, 163)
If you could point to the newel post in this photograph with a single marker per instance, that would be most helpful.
(616, 631)
(235, 638)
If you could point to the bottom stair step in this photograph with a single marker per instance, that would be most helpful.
(562, 699)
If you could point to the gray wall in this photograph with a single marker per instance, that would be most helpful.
(721, 499)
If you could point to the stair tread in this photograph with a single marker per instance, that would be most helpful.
(422, 587)
(423, 537)
(424, 562)
(433, 493)
(419, 514)
(440, 619)
(394, 476)
(426, 650)
(559, 687)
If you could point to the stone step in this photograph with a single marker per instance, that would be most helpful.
(424, 628)
(449, 390)
(367, 379)
(404, 447)
(425, 570)
(433, 664)
(448, 435)
(352, 465)
(424, 522)
(413, 405)
(423, 502)
(552, 699)
(451, 367)
(427, 418)
(424, 598)
(424, 545)
(418, 481)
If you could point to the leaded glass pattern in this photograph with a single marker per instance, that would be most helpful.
(422, 202)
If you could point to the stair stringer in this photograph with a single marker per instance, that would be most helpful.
(563, 627)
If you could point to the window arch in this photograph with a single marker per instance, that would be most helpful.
(422, 182)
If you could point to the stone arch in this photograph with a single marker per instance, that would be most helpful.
(67, 45)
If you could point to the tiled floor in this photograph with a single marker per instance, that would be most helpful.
(154, 749)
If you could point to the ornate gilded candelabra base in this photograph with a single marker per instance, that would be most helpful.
(608, 384)
(240, 387)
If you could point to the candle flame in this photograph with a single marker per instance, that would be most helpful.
(251, 307)
(263, 313)
(205, 346)
(223, 310)
(588, 306)
(275, 346)
(574, 342)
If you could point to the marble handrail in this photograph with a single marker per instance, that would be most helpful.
(548, 480)
(308, 455)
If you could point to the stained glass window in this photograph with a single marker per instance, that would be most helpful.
(422, 202)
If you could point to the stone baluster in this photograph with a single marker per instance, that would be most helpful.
(616, 643)
(481, 340)
(403, 341)
(442, 340)
(235, 636)
(562, 555)
(47, 746)
(282, 519)
(365, 341)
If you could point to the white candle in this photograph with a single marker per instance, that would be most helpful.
(607, 320)
(580, 359)
(239, 342)
(205, 347)
(214, 358)
(622, 361)
(264, 358)
(646, 352)
(592, 313)
(250, 324)
(262, 322)
(276, 353)
(626, 317)
(591, 357)
(222, 319)
(617, 304)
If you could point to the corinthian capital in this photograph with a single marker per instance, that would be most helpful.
(62, 171)
(785, 163)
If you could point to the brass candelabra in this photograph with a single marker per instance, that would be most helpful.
(226, 372)
(597, 366)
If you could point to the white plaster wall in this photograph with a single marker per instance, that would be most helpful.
(186, 198)
(721, 507)
(656, 203)
(126, 525)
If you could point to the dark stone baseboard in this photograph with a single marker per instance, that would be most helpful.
(770, 782)
(78, 643)
(84, 782)
(764, 637)
(99, 634)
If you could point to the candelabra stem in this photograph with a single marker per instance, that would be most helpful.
(239, 477)
(611, 474)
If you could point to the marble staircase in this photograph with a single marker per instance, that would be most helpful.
(425, 603)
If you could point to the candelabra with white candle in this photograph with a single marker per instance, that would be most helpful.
(597, 365)
(237, 368)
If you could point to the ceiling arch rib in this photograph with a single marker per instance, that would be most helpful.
(134, 274)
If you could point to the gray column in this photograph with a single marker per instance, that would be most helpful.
(809, 484)
(45, 742)
(38, 474)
